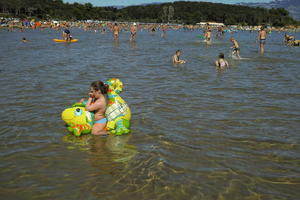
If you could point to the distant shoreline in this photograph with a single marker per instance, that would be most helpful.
(15, 23)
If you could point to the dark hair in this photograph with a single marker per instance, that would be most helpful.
(178, 51)
(99, 85)
(221, 55)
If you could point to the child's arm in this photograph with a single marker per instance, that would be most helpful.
(90, 106)
(227, 64)
(217, 63)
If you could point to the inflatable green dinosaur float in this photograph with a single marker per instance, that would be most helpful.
(79, 121)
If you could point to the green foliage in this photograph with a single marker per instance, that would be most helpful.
(177, 12)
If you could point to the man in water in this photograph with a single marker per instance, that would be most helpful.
(133, 30)
(262, 35)
(116, 31)
(235, 47)
(67, 34)
(176, 58)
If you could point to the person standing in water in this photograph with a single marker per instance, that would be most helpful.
(176, 58)
(116, 31)
(133, 30)
(163, 28)
(235, 47)
(262, 36)
(220, 33)
(207, 34)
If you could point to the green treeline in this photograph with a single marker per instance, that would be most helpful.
(177, 12)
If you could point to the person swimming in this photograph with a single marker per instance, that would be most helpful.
(221, 63)
(24, 39)
(176, 58)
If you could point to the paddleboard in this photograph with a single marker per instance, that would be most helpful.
(59, 40)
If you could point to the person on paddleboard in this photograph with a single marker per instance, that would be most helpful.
(67, 35)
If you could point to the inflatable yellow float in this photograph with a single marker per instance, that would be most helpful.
(59, 40)
(79, 121)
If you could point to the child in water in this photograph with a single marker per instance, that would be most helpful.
(176, 58)
(96, 103)
(235, 47)
(221, 63)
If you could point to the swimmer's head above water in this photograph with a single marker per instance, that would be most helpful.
(178, 52)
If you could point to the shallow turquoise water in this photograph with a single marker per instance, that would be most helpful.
(197, 133)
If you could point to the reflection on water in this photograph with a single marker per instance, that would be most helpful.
(197, 132)
(117, 146)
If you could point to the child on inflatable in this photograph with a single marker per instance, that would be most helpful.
(96, 103)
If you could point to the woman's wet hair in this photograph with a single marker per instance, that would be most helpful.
(99, 85)
(221, 55)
